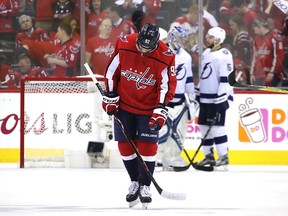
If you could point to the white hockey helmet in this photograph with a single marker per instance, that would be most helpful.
(177, 37)
(163, 34)
(217, 33)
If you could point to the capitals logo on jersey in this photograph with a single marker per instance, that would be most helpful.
(139, 78)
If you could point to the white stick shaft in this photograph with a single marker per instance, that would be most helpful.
(90, 72)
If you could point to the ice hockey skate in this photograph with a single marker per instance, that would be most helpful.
(133, 196)
(145, 196)
(222, 163)
(209, 160)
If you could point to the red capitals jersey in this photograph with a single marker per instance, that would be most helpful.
(150, 9)
(37, 34)
(69, 52)
(124, 27)
(248, 19)
(275, 13)
(4, 70)
(93, 24)
(13, 78)
(142, 81)
(44, 10)
(268, 55)
(101, 50)
(8, 8)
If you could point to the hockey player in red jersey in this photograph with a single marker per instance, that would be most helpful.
(140, 81)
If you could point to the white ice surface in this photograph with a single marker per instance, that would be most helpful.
(244, 190)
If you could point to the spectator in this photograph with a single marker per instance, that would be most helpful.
(26, 5)
(226, 12)
(4, 68)
(120, 27)
(25, 70)
(268, 56)
(242, 48)
(210, 17)
(60, 9)
(65, 58)
(43, 14)
(272, 12)
(94, 18)
(189, 22)
(8, 9)
(150, 8)
(100, 47)
(36, 51)
(72, 21)
(248, 15)
(77, 11)
(28, 32)
(128, 7)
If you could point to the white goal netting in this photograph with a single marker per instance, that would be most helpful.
(59, 117)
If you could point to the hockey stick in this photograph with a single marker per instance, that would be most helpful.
(195, 166)
(176, 137)
(165, 194)
(233, 82)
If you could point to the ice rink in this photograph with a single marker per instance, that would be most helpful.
(244, 190)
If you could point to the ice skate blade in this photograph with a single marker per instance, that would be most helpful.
(145, 206)
(222, 168)
(134, 203)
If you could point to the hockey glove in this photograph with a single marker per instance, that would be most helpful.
(158, 118)
(110, 102)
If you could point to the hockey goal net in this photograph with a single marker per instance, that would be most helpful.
(59, 117)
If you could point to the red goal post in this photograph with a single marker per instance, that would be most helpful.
(57, 116)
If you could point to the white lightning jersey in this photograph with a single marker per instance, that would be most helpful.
(213, 86)
(185, 82)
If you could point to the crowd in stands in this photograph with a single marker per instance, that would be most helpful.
(46, 35)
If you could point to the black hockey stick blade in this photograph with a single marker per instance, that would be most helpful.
(181, 168)
(195, 166)
(232, 79)
(203, 168)
(232, 82)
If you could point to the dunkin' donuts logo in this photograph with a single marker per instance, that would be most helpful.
(260, 125)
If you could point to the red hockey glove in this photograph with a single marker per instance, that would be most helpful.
(110, 102)
(158, 118)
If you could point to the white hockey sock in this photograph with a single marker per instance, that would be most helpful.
(222, 149)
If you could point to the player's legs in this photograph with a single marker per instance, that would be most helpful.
(127, 153)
